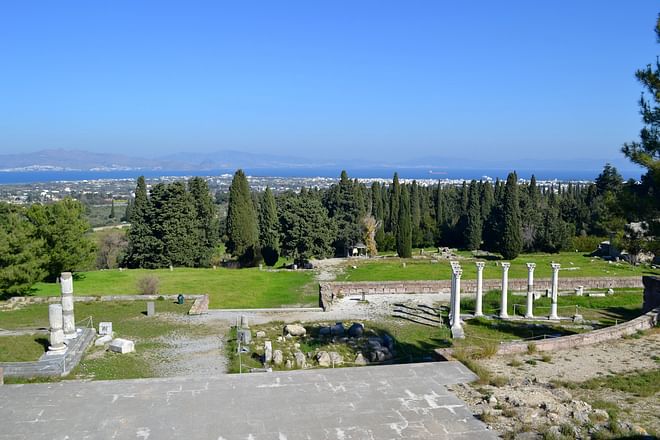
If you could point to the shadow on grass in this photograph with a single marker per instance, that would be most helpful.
(621, 313)
(43, 342)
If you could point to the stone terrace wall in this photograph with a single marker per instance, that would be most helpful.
(328, 291)
(643, 322)
(19, 301)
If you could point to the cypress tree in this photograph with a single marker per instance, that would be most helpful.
(242, 229)
(487, 200)
(143, 248)
(415, 213)
(511, 244)
(404, 229)
(207, 227)
(112, 209)
(395, 197)
(127, 213)
(269, 229)
(473, 224)
(175, 224)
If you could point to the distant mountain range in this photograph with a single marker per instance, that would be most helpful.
(79, 160)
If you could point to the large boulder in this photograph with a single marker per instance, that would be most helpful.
(295, 330)
(338, 329)
(356, 330)
(278, 357)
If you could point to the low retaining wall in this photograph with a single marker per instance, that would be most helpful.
(19, 301)
(329, 291)
(643, 322)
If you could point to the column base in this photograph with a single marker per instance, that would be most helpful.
(56, 349)
(553, 317)
(504, 316)
(71, 336)
(478, 314)
(529, 316)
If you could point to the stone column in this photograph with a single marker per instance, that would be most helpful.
(56, 337)
(454, 266)
(505, 290)
(480, 288)
(456, 306)
(530, 290)
(555, 290)
(69, 322)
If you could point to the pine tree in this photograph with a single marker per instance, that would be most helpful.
(242, 229)
(22, 254)
(269, 229)
(511, 244)
(404, 229)
(473, 225)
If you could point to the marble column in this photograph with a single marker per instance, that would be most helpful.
(505, 290)
(456, 306)
(454, 266)
(68, 320)
(56, 336)
(480, 288)
(555, 290)
(529, 313)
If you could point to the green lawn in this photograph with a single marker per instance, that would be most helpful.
(573, 265)
(227, 288)
(23, 348)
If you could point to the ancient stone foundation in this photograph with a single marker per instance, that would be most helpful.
(651, 292)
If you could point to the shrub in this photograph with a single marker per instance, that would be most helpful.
(546, 358)
(515, 362)
(148, 285)
(531, 348)
(587, 243)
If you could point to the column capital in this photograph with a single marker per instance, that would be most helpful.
(480, 264)
(506, 266)
(531, 266)
(555, 266)
(458, 273)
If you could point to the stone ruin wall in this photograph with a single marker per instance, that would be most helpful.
(641, 323)
(651, 292)
(328, 291)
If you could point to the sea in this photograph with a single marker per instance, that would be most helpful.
(26, 177)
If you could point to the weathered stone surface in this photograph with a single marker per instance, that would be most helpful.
(56, 336)
(356, 330)
(288, 364)
(268, 352)
(323, 358)
(105, 328)
(261, 334)
(301, 362)
(295, 330)
(336, 358)
(122, 346)
(151, 308)
(102, 340)
(278, 357)
(360, 360)
(651, 292)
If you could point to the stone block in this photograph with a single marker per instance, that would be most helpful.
(295, 330)
(151, 308)
(122, 346)
(104, 339)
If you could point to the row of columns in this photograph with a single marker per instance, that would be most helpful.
(455, 297)
(61, 318)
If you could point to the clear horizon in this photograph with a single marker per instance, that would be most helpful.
(545, 81)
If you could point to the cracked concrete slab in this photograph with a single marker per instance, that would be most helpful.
(384, 402)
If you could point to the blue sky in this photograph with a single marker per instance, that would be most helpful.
(326, 79)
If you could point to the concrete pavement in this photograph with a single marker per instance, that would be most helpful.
(384, 402)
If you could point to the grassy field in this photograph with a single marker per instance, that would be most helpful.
(227, 288)
(573, 265)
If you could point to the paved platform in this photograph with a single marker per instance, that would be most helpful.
(384, 402)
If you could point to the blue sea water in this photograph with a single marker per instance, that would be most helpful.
(18, 177)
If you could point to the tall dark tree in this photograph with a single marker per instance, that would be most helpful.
(404, 228)
(143, 247)
(473, 224)
(112, 210)
(269, 229)
(346, 208)
(242, 228)
(416, 214)
(395, 198)
(511, 244)
(207, 229)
